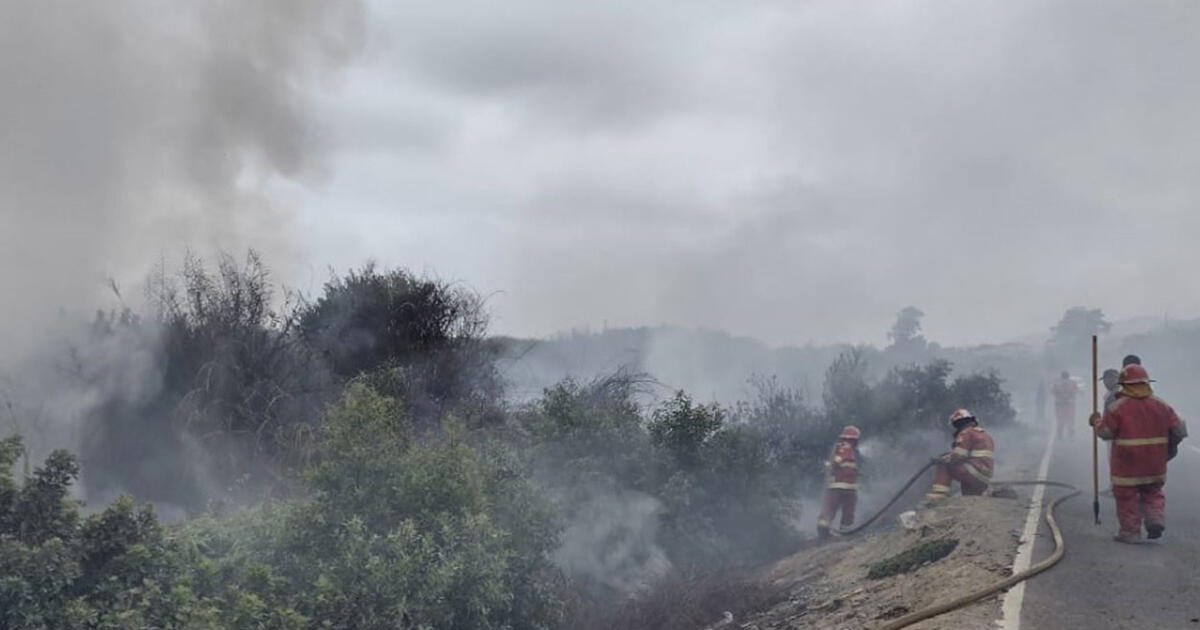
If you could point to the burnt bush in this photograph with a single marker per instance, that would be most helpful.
(684, 602)
(909, 398)
(425, 339)
(648, 492)
(791, 429)
(211, 394)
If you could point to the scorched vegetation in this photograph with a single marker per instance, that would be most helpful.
(351, 461)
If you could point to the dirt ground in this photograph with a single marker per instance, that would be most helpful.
(827, 587)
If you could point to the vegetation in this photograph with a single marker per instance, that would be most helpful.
(912, 558)
(385, 482)
(397, 533)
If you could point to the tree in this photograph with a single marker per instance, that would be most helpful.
(847, 395)
(1071, 336)
(906, 331)
(423, 338)
(682, 428)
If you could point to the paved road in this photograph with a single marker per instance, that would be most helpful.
(1102, 584)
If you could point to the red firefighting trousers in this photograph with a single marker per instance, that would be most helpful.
(946, 474)
(1135, 503)
(838, 499)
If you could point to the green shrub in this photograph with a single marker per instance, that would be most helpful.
(912, 558)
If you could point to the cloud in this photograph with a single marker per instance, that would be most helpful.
(794, 171)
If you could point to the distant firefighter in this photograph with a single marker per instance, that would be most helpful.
(1112, 386)
(1065, 391)
(1145, 433)
(841, 482)
(969, 462)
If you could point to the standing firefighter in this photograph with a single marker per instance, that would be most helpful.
(969, 461)
(1065, 391)
(1112, 387)
(1145, 433)
(841, 485)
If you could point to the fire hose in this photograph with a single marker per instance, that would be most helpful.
(974, 596)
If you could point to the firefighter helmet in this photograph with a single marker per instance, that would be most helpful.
(850, 432)
(1134, 373)
(961, 414)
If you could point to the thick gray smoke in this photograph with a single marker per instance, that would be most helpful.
(134, 131)
(132, 128)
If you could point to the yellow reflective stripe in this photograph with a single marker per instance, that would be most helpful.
(939, 489)
(987, 454)
(958, 450)
(978, 474)
(1137, 481)
(849, 465)
(1140, 441)
(822, 523)
(841, 485)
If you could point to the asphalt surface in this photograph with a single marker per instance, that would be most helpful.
(1103, 584)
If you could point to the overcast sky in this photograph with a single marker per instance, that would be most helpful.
(794, 171)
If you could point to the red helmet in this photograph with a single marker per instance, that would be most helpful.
(1134, 373)
(850, 432)
(961, 414)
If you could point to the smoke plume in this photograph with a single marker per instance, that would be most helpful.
(133, 128)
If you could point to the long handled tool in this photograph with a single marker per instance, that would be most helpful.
(1095, 439)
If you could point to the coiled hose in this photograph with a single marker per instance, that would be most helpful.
(974, 596)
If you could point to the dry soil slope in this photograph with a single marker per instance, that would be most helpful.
(828, 587)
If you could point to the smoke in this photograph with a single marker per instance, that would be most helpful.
(612, 540)
(132, 128)
(135, 131)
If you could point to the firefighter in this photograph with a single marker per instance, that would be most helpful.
(1145, 433)
(1065, 392)
(970, 461)
(841, 485)
(1112, 386)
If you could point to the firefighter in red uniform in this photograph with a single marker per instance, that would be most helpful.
(1065, 391)
(841, 486)
(969, 461)
(1145, 432)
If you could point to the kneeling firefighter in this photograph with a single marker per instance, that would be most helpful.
(841, 481)
(970, 461)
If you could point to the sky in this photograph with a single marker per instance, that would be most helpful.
(793, 171)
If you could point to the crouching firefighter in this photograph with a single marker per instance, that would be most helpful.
(841, 482)
(970, 461)
(1145, 433)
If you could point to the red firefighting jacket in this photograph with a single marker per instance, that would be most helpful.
(1064, 394)
(1140, 425)
(842, 467)
(973, 447)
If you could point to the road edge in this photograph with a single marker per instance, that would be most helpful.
(1010, 609)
